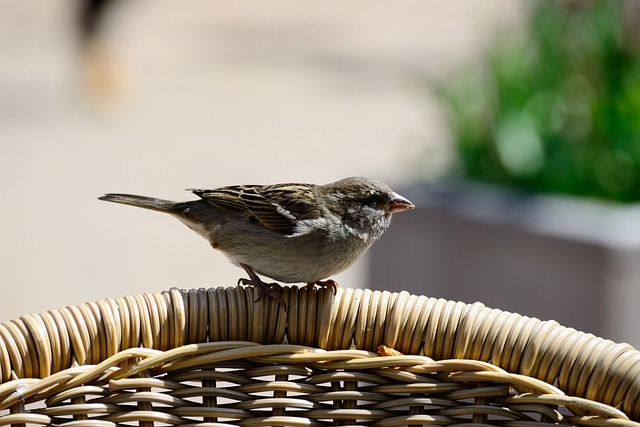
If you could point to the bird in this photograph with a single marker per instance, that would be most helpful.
(290, 232)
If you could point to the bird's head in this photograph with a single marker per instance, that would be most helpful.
(364, 203)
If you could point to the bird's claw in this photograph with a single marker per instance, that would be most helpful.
(271, 290)
(331, 284)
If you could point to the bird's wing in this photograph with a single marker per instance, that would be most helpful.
(276, 207)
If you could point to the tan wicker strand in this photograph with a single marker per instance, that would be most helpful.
(111, 325)
(612, 387)
(494, 324)
(123, 359)
(396, 318)
(385, 302)
(22, 419)
(581, 371)
(216, 311)
(431, 330)
(162, 338)
(18, 353)
(60, 339)
(501, 354)
(348, 315)
(448, 311)
(624, 361)
(222, 315)
(96, 341)
(468, 335)
(316, 311)
(307, 316)
(170, 328)
(600, 379)
(244, 304)
(180, 316)
(126, 328)
(520, 339)
(102, 331)
(328, 319)
(146, 320)
(567, 377)
(194, 308)
(255, 328)
(278, 317)
(533, 350)
(555, 399)
(307, 319)
(37, 328)
(237, 319)
(258, 316)
(78, 333)
(409, 325)
(261, 311)
(60, 346)
(367, 323)
(625, 392)
(561, 353)
(136, 319)
(358, 312)
(414, 326)
(295, 315)
(452, 328)
(466, 332)
(265, 330)
(339, 312)
(234, 316)
(148, 304)
(361, 332)
(421, 313)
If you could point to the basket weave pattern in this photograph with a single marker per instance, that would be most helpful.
(217, 357)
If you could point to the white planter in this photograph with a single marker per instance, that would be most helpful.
(573, 260)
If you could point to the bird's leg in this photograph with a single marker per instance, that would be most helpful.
(271, 290)
(332, 284)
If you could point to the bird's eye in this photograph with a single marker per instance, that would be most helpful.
(373, 200)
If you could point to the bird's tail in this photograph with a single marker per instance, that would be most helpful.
(140, 201)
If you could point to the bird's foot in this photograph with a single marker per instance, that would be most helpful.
(270, 290)
(332, 284)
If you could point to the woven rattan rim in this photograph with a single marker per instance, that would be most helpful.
(90, 340)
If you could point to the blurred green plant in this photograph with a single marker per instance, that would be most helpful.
(557, 111)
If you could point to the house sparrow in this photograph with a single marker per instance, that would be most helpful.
(292, 233)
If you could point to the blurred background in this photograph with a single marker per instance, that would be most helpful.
(152, 97)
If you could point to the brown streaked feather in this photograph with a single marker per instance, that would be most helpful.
(259, 203)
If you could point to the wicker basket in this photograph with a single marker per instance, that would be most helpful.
(215, 357)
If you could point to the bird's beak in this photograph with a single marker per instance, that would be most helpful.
(398, 204)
